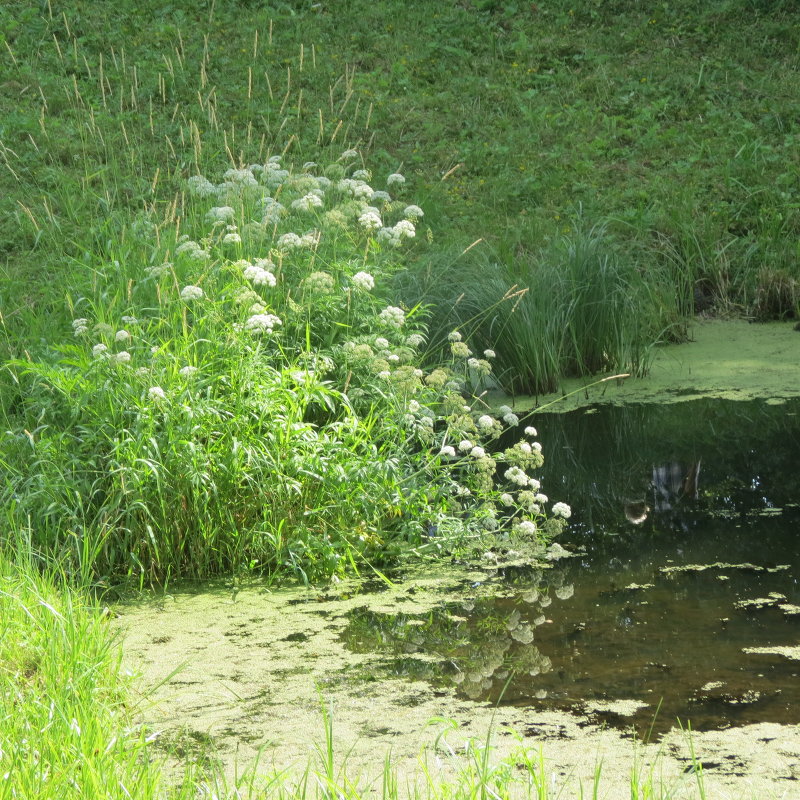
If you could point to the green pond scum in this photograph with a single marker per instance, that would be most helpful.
(728, 359)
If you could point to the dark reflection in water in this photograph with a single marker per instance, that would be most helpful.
(690, 519)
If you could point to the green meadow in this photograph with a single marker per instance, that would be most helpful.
(260, 261)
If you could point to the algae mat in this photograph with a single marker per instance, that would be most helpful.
(255, 668)
(731, 359)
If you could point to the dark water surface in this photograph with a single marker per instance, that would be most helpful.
(688, 519)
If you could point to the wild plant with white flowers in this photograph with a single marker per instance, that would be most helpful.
(253, 397)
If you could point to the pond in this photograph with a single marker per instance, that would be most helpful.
(680, 600)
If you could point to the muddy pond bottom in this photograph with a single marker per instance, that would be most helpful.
(679, 603)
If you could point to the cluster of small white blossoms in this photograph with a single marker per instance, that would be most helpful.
(319, 283)
(232, 235)
(488, 425)
(364, 281)
(262, 323)
(478, 368)
(526, 496)
(238, 180)
(258, 272)
(355, 188)
(371, 220)
(157, 270)
(308, 202)
(346, 198)
(435, 414)
(189, 293)
(525, 527)
(191, 249)
(392, 317)
(461, 350)
(201, 187)
(272, 211)
(292, 241)
(561, 510)
(421, 420)
(509, 417)
(518, 476)
(524, 502)
(393, 236)
(220, 215)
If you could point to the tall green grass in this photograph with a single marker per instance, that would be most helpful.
(578, 307)
(202, 379)
(67, 726)
(103, 103)
(474, 771)
(235, 394)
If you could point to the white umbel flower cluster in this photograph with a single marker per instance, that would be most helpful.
(259, 276)
(262, 323)
(517, 475)
(370, 220)
(308, 202)
(393, 317)
(189, 293)
(363, 281)
(220, 215)
(561, 510)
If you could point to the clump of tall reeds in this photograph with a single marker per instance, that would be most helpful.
(579, 307)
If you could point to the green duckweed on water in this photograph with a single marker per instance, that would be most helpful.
(726, 359)
(255, 671)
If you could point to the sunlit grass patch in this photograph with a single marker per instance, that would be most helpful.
(66, 727)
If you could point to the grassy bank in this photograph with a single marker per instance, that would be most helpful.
(522, 125)
(66, 720)
(620, 169)
(210, 373)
